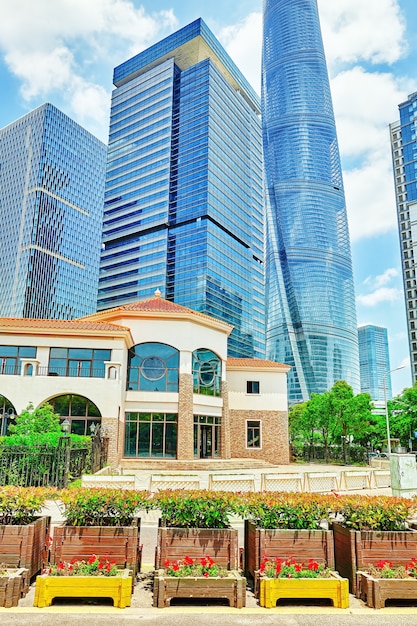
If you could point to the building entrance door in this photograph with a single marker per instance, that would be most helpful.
(206, 442)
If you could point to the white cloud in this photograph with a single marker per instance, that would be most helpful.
(382, 279)
(383, 294)
(355, 30)
(60, 50)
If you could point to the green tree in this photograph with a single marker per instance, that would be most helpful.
(351, 415)
(33, 421)
(402, 412)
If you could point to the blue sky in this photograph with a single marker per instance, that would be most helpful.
(64, 52)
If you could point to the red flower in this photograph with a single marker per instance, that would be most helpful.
(167, 563)
(206, 574)
(92, 559)
(188, 561)
(61, 565)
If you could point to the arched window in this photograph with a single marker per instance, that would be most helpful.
(153, 367)
(79, 411)
(207, 372)
(7, 414)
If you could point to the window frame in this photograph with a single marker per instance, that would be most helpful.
(259, 428)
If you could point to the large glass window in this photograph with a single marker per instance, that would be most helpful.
(153, 367)
(78, 362)
(207, 372)
(206, 436)
(7, 414)
(10, 358)
(151, 435)
(80, 412)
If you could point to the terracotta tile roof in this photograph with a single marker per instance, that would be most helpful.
(156, 304)
(264, 363)
(38, 324)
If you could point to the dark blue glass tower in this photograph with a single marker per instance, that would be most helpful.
(311, 317)
(51, 206)
(183, 201)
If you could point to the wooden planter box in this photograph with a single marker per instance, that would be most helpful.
(119, 588)
(13, 586)
(375, 591)
(302, 545)
(25, 545)
(119, 544)
(357, 549)
(336, 589)
(177, 543)
(233, 588)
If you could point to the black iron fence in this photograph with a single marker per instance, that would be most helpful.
(37, 466)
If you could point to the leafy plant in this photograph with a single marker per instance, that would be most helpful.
(285, 510)
(94, 566)
(195, 508)
(21, 505)
(191, 567)
(289, 568)
(385, 569)
(102, 507)
(380, 513)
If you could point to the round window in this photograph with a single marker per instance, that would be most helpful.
(207, 374)
(153, 368)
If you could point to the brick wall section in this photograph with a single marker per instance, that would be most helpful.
(114, 452)
(274, 436)
(185, 438)
(225, 423)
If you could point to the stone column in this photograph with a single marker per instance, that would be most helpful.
(185, 438)
(225, 450)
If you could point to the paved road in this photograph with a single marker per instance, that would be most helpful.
(207, 617)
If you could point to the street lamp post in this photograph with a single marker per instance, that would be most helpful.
(384, 378)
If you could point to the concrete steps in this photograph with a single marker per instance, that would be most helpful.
(205, 465)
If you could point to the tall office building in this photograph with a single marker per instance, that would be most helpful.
(183, 202)
(51, 205)
(374, 362)
(404, 159)
(311, 316)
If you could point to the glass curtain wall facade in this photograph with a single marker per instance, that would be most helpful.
(404, 159)
(183, 201)
(374, 362)
(311, 316)
(51, 206)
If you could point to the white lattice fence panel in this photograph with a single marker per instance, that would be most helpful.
(109, 482)
(227, 483)
(282, 482)
(352, 480)
(382, 478)
(321, 482)
(174, 482)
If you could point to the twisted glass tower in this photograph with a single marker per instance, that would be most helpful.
(311, 318)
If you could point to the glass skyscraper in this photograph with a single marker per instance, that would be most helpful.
(183, 202)
(51, 205)
(311, 316)
(374, 362)
(404, 159)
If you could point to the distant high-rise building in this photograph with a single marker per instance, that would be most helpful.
(311, 315)
(183, 202)
(374, 362)
(51, 205)
(404, 159)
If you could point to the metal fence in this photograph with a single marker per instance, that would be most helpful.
(37, 466)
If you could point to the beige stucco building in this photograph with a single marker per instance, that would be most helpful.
(156, 376)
